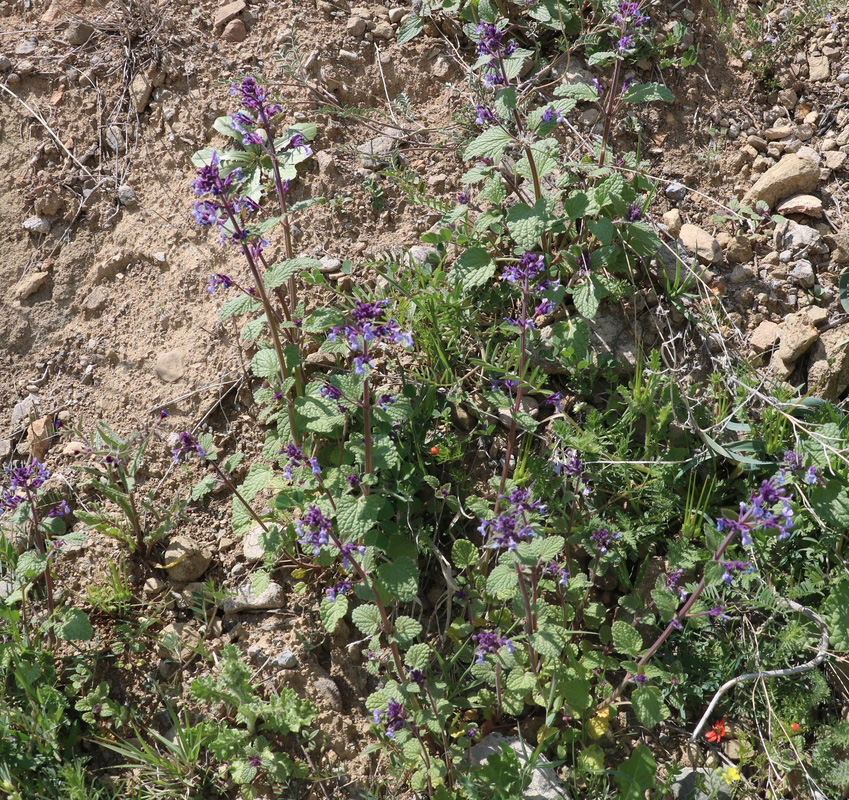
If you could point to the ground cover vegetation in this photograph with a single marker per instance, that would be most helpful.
(512, 532)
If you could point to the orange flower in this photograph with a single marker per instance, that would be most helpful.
(717, 731)
(795, 727)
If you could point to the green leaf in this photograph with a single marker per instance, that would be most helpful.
(502, 582)
(280, 273)
(570, 340)
(648, 705)
(526, 224)
(265, 364)
(626, 639)
(238, 305)
(648, 93)
(367, 619)
(410, 28)
(31, 563)
(602, 59)
(577, 692)
(203, 487)
(576, 205)
(400, 578)
(356, 516)
(636, 773)
(666, 602)
(490, 144)
(546, 155)
(260, 581)
(474, 268)
(587, 298)
(464, 553)
(242, 771)
(418, 656)
(831, 502)
(835, 612)
(332, 611)
(514, 63)
(405, 630)
(582, 92)
(505, 102)
(549, 641)
(73, 626)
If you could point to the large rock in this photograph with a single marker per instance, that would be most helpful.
(797, 337)
(828, 374)
(792, 175)
(799, 239)
(226, 13)
(545, 785)
(376, 152)
(700, 243)
(185, 560)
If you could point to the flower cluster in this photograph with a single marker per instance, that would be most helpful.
(551, 114)
(768, 507)
(490, 642)
(795, 464)
(523, 274)
(219, 280)
(368, 327)
(186, 443)
(485, 116)
(554, 570)
(298, 459)
(340, 587)
(395, 715)
(314, 529)
(732, 567)
(491, 49)
(27, 479)
(628, 18)
(513, 524)
(604, 539)
(672, 581)
(572, 465)
(717, 731)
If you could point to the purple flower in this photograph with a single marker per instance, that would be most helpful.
(219, 279)
(484, 116)
(584, 261)
(604, 539)
(395, 715)
(418, 677)
(314, 529)
(471, 733)
(330, 391)
(187, 444)
(634, 213)
(340, 587)
(554, 570)
(768, 507)
(513, 524)
(348, 550)
(551, 114)
(353, 481)
(717, 612)
(205, 213)
(489, 39)
(598, 87)
(732, 567)
(529, 267)
(60, 510)
(464, 198)
(488, 642)
(624, 43)
(641, 679)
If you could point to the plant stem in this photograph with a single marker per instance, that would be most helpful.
(609, 111)
(530, 625)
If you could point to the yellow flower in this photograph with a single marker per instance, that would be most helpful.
(731, 774)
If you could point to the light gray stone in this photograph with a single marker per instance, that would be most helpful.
(798, 239)
(544, 785)
(676, 191)
(37, 225)
(803, 273)
(286, 659)
(806, 204)
(170, 366)
(818, 68)
(245, 600)
(376, 152)
(355, 26)
(126, 195)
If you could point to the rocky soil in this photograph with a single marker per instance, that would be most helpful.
(106, 317)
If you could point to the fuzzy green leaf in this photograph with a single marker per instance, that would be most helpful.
(265, 364)
(587, 298)
(400, 578)
(490, 144)
(835, 612)
(526, 224)
(405, 630)
(666, 602)
(356, 516)
(474, 268)
(332, 611)
(410, 28)
(238, 305)
(626, 639)
(502, 582)
(74, 626)
(464, 553)
(635, 775)
(648, 705)
(417, 656)
(367, 619)
(648, 93)
(280, 273)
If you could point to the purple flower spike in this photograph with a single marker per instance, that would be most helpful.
(187, 444)
(604, 540)
(488, 642)
(219, 280)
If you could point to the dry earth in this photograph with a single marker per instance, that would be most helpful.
(106, 317)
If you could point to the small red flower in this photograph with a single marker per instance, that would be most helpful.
(716, 732)
(434, 450)
(795, 727)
